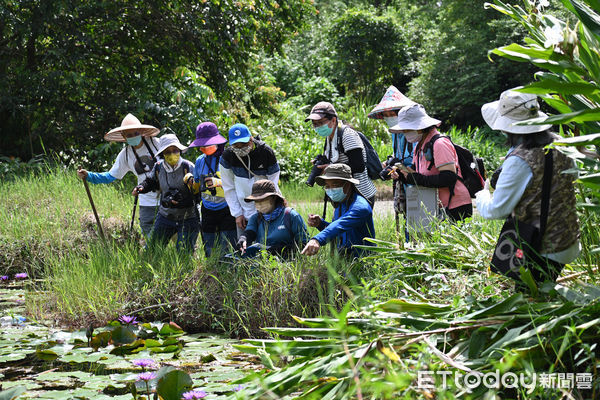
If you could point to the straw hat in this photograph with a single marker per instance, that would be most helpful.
(130, 123)
(340, 172)
(392, 100)
(513, 107)
(262, 189)
(414, 118)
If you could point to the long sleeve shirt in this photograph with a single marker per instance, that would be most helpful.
(352, 223)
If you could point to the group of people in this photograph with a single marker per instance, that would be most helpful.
(230, 195)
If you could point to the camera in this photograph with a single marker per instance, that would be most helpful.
(390, 163)
(316, 171)
(179, 197)
(204, 188)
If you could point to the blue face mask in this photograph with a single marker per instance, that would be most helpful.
(134, 141)
(336, 194)
(324, 130)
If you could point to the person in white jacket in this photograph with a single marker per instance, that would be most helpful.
(245, 161)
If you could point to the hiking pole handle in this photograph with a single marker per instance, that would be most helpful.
(135, 202)
(89, 194)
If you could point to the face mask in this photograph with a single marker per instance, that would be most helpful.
(412, 136)
(391, 121)
(208, 150)
(265, 206)
(323, 130)
(134, 141)
(172, 158)
(244, 151)
(336, 194)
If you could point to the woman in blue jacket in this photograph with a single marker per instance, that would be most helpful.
(352, 219)
(277, 228)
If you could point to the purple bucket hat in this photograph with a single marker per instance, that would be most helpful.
(207, 134)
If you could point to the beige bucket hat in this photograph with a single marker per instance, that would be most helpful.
(511, 108)
(130, 123)
(336, 171)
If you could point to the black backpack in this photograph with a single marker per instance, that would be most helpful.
(471, 167)
(374, 166)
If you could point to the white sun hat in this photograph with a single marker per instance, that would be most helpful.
(168, 140)
(514, 107)
(130, 123)
(414, 118)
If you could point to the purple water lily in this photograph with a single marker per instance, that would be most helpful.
(238, 388)
(4, 278)
(128, 320)
(146, 376)
(21, 275)
(144, 362)
(194, 394)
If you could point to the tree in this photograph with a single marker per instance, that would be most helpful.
(71, 69)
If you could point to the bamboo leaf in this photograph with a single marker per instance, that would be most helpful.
(402, 306)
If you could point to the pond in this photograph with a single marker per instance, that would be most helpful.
(47, 363)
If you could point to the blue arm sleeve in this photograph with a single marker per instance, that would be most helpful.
(355, 217)
(100, 177)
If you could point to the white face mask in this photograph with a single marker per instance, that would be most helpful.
(391, 121)
(265, 206)
(412, 136)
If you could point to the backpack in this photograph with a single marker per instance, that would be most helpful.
(373, 163)
(471, 167)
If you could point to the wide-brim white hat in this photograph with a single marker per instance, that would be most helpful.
(130, 123)
(512, 108)
(414, 118)
(167, 141)
(392, 100)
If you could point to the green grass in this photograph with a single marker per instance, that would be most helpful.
(47, 230)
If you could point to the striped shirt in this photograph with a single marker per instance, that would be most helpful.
(350, 141)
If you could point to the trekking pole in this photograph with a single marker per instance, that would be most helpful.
(89, 194)
(396, 216)
(135, 201)
(324, 206)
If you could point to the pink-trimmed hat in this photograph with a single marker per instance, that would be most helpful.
(393, 99)
(130, 123)
(207, 134)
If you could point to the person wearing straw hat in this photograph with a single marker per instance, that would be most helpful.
(387, 110)
(277, 228)
(245, 161)
(518, 190)
(177, 212)
(218, 225)
(436, 161)
(348, 150)
(352, 219)
(139, 157)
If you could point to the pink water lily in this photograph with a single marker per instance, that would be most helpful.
(194, 394)
(146, 376)
(128, 319)
(144, 362)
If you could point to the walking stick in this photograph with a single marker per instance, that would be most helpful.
(396, 216)
(135, 201)
(324, 206)
(89, 194)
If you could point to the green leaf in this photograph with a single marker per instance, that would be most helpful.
(46, 355)
(173, 384)
(12, 393)
(101, 340)
(401, 306)
(577, 117)
(587, 16)
(170, 329)
(547, 86)
(591, 139)
(123, 335)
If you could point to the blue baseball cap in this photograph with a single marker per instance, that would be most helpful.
(239, 133)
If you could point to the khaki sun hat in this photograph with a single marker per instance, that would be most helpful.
(336, 171)
(262, 189)
(130, 123)
(514, 107)
(414, 118)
